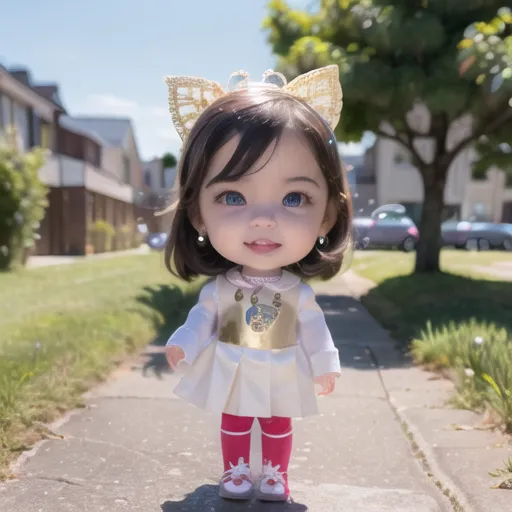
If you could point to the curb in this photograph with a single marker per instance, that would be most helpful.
(422, 451)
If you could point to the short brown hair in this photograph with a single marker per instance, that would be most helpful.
(259, 119)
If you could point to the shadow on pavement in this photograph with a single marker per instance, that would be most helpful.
(405, 304)
(170, 306)
(362, 343)
(167, 307)
(206, 498)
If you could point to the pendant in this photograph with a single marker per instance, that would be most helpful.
(261, 316)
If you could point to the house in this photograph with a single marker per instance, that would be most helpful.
(120, 155)
(395, 179)
(160, 182)
(157, 177)
(362, 182)
(93, 171)
(34, 116)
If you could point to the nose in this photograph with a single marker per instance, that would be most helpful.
(263, 219)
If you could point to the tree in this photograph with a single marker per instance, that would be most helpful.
(169, 161)
(23, 200)
(396, 56)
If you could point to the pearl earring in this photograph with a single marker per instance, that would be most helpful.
(322, 242)
(201, 240)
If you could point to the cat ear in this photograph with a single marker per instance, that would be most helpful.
(188, 98)
(321, 90)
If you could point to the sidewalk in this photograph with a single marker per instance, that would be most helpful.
(47, 261)
(138, 448)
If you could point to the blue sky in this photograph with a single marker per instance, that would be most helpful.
(110, 56)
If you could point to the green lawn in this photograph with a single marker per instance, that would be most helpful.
(461, 319)
(64, 328)
(404, 303)
(379, 265)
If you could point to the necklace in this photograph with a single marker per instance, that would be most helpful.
(260, 316)
(261, 280)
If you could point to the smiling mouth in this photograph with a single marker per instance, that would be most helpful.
(262, 246)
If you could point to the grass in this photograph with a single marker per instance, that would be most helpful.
(457, 319)
(64, 328)
(506, 470)
(504, 474)
(404, 302)
(380, 265)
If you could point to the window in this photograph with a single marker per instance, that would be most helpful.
(22, 125)
(34, 126)
(147, 177)
(402, 156)
(127, 170)
(46, 136)
(92, 153)
(6, 116)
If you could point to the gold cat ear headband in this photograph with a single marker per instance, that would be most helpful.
(190, 96)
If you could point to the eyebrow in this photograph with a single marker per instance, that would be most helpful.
(294, 179)
(302, 178)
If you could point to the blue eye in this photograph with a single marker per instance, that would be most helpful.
(233, 199)
(293, 199)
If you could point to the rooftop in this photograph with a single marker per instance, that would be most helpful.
(114, 130)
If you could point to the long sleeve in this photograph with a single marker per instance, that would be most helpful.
(198, 328)
(315, 336)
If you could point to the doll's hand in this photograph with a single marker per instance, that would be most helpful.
(327, 383)
(174, 355)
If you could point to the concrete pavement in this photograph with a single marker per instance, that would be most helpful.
(138, 448)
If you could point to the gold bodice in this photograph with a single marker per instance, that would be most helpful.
(259, 318)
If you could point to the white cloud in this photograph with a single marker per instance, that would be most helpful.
(112, 103)
(167, 133)
(159, 111)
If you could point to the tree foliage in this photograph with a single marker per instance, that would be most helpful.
(486, 57)
(23, 200)
(397, 55)
(169, 161)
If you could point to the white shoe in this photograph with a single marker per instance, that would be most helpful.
(271, 484)
(236, 483)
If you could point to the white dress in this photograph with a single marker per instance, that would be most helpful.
(247, 358)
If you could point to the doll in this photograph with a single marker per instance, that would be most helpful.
(262, 205)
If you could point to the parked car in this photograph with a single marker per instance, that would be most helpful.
(387, 227)
(156, 241)
(477, 236)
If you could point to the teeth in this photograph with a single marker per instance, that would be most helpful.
(262, 242)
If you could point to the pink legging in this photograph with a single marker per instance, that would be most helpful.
(276, 440)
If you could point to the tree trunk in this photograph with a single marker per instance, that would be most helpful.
(429, 245)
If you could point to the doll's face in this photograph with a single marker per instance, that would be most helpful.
(270, 218)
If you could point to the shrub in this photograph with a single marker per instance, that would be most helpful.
(481, 355)
(137, 239)
(125, 235)
(23, 200)
(129, 237)
(101, 235)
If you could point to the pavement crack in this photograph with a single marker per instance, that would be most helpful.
(417, 452)
(120, 447)
(58, 479)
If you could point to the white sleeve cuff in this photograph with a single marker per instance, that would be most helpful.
(186, 339)
(325, 361)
